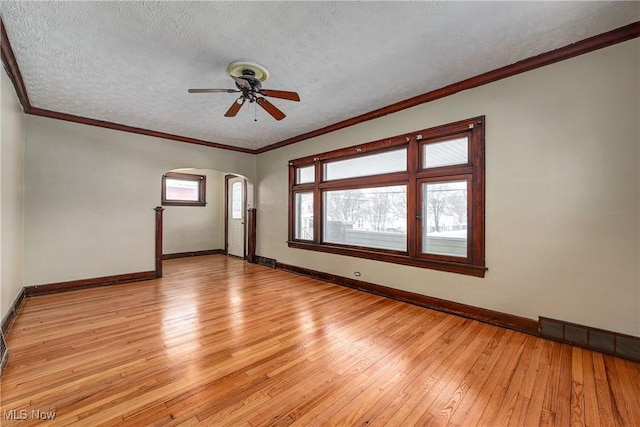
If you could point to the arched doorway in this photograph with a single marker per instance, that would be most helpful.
(207, 228)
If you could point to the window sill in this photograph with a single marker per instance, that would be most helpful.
(452, 267)
(201, 204)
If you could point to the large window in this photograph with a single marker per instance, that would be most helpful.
(373, 217)
(183, 189)
(415, 199)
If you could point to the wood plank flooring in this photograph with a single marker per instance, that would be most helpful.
(220, 342)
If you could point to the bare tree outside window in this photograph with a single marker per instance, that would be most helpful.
(445, 201)
(372, 217)
(345, 205)
(385, 208)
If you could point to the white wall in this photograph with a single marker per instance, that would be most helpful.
(563, 193)
(11, 195)
(90, 195)
(197, 228)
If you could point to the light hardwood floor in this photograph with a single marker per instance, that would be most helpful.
(218, 341)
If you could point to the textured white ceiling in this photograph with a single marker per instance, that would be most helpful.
(132, 62)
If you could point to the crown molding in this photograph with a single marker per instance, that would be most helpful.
(11, 66)
(125, 128)
(590, 44)
(618, 35)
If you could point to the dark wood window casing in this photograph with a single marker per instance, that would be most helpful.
(201, 180)
(472, 172)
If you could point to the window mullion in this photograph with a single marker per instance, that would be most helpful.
(366, 182)
(413, 217)
(317, 203)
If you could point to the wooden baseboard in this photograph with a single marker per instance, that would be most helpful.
(4, 353)
(14, 309)
(88, 283)
(193, 253)
(7, 323)
(496, 318)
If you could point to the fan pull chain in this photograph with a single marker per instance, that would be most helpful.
(255, 112)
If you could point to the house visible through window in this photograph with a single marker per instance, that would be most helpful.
(415, 199)
(182, 189)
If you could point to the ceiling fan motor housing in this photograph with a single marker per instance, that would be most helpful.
(248, 76)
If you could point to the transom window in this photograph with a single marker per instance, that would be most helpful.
(415, 199)
(183, 189)
(367, 165)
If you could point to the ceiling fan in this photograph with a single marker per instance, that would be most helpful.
(249, 77)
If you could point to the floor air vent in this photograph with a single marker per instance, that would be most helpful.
(625, 346)
(267, 262)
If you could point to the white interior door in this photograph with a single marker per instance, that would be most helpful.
(236, 216)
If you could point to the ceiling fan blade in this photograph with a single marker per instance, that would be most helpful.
(233, 110)
(241, 82)
(212, 90)
(271, 109)
(283, 94)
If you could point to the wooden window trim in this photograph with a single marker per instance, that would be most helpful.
(437, 257)
(202, 189)
(413, 177)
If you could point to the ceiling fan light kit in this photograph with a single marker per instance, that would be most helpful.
(248, 77)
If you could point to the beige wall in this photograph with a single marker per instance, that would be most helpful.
(11, 195)
(197, 228)
(91, 193)
(563, 193)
